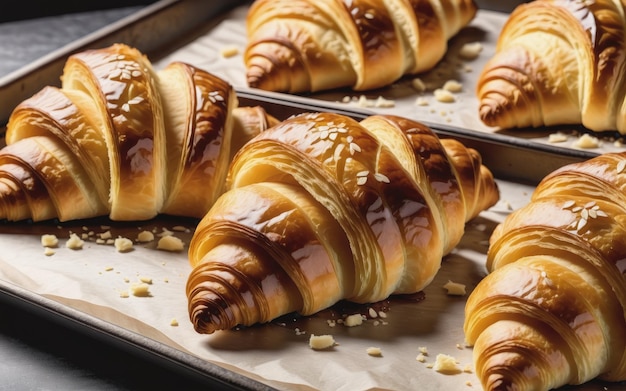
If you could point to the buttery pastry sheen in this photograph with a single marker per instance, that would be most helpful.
(120, 139)
(321, 208)
(558, 62)
(312, 45)
(552, 311)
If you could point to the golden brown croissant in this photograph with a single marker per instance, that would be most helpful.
(553, 309)
(122, 140)
(321, 208)
(558, 62)
(313, 45)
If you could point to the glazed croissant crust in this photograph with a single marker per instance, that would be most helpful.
(553, 309)
(121, 139)
(321, 208)
(313, 45)
(558, 62)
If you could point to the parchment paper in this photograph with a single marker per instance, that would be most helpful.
(206, 47)
(92, 279)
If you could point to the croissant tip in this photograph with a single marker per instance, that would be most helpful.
(497, 382)
(203, 321)
(257, 76)
(207, 309)
(489, 113)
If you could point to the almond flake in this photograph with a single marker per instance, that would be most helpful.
(381, 178)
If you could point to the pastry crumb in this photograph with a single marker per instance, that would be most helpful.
(557, 138)
(444, 96)
(382, 102)
(421, 101)
(446, 364)
(454, 288)
(418, 84)
(47, 251)
(321, 342)
(229, 51)
(140, 289)
(123, 245)
(374, 351)
(353, 320)
(145, 237)
(587, 141)
(74, 242)
(49, 240)
(471, 50)
(453, 86)
(170, 243)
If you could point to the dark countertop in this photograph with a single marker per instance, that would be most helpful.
(39, 353)
(24, 41)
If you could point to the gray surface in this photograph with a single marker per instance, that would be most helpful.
(25, 41)
(39, 353)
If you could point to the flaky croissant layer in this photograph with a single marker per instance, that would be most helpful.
(558, 62)
(121, 139)
(321, 208)
(313, 45)
(553, 309)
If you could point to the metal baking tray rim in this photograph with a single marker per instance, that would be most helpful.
(502, 154)
(183, 363)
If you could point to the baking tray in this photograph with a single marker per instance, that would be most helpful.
(151, 28)
(429, 318)
(437, 324)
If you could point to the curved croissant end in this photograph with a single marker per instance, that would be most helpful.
(280, 57)
(303, 45)
(321, 208)
(553, 62)
(120, 139)
(553, 309)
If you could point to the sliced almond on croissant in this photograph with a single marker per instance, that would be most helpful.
(122, 140)
(552, 311)
(321, 208)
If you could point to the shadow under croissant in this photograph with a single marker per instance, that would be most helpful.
(416, 315)
(124, 228)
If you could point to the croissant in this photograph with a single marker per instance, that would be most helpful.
(558, 62)
(321, 208)
(306, 45)
(552, 311)
(120, 139)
